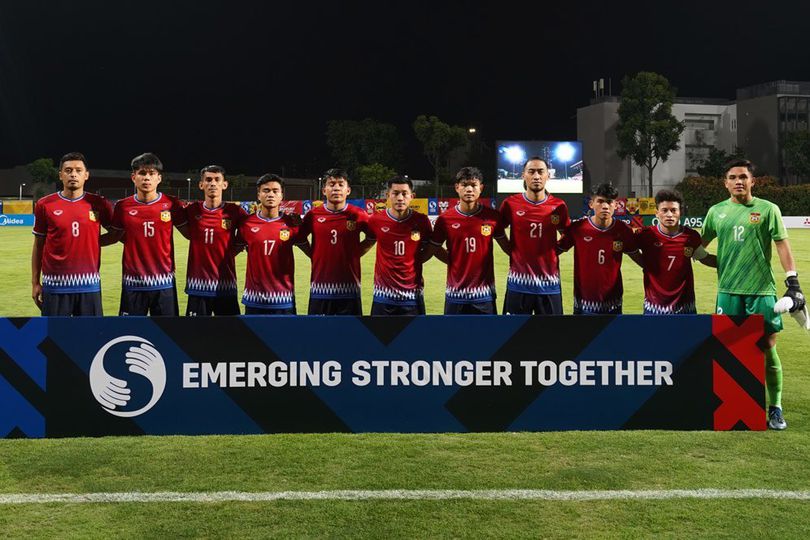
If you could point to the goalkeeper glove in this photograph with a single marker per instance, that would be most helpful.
(794, 292)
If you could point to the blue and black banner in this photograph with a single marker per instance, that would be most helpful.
(68, 377)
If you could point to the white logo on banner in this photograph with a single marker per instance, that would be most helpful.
(143, 359)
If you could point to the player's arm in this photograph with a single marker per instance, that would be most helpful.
(636, 258)
(503, 241)
(183, 228)
(433, 250)
(36, 269)
(110, 237)
(367, 243)
(305, 247)
(794, 290)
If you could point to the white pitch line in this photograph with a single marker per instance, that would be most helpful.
(405, 494)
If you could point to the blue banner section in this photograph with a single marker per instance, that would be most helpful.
(16, 220)
(165, 375)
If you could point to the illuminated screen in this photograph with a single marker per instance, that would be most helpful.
(564, 160)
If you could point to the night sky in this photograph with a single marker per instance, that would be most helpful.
(251, 85)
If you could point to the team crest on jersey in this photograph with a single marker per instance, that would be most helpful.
(754, 218)
(486, 229)
(284, 235)
(520, 213)
(93, 215)
(351, 225)
(555, 219)
(687, 251)
(617, 245)
(226, 224)
(416, 236)
(57, 212)
(165, 215)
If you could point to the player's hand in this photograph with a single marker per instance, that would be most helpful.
(295, 219)
(36, 294)
(794, 292)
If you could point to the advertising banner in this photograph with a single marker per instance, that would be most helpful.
(17, 220)
(69, 377)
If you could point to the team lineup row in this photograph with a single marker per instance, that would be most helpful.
(68, 241)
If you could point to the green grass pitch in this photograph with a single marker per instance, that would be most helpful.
(554, 461)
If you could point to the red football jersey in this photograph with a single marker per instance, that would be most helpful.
(534, 267)
(335, 250)
(211, 270)
(469, 237)
(398, 270)
(72, 254)
(669, 284)
(148, 261)
(270, 274)
(598, 264)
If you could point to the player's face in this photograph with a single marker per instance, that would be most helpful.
(602, 207)
(73, 175)
(669, 213)
(336, 190)
(270, 195)
(146, 180)
(535, 175)
(469, 190)
(400, 197)
(739, 181)
(213, 184)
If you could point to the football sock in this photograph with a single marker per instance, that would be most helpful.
(773, 377)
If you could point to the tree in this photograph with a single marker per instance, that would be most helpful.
(647, 130)
(43, 170)
(714, 166)
(797, 154)
(354, 144)
(374, 175)
(440, 141)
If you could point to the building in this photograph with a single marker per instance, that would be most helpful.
(757, 122)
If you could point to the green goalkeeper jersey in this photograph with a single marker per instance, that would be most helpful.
(745, 234)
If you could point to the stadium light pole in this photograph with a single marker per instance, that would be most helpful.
(565, 153)
(515, 154)
(21, 186)
(188, 192)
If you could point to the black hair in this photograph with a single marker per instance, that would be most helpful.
(606, 190)
(72, 156)
(336, 172)
(267, 178)
(740, 162)
(147, 160)
(669, 195)
(400, 180)
(535, 158)
(212, 169)
(469, 173)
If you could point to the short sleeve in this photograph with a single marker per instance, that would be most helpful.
(305, 229)
(565, 219)
(631, 242)
(500, 231)
(566, 241)
(179, 216)
(439, 235)
(775, 224)
(40, 220)
(708, 231)
(118, 217)
(425, 229)
(105, 211)
(506, 213)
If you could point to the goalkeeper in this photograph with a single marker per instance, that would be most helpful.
(744, 227)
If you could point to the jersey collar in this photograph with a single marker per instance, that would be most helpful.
(71, 200)
(680, 232)
(477, 210)
(135, 198)
(345, 206)
(220, 207)
(268, 220)
(406, 218)
(525, 198)
(598, 228)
